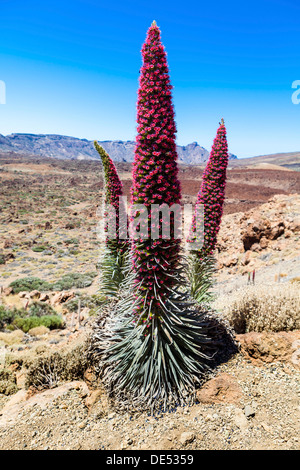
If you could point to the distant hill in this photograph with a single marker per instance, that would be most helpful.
(287, 161)
(64, 147)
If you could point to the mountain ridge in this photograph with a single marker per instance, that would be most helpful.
(67, 147)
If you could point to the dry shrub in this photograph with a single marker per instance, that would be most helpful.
(60, 366)
(8, 382)
(12, 338)
(262, 308)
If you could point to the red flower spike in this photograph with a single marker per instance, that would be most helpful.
(155, 170)
(212, 192)
(113, 190)
(116, 248)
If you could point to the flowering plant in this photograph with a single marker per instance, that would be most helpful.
(211, 195)
(212, 191)
(156, 343)
(113, 263)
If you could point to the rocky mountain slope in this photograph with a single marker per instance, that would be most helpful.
(64, 147)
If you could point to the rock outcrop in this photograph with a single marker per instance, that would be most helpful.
(256, 238)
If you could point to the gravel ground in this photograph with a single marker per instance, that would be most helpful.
(266, 417)
(263, 276)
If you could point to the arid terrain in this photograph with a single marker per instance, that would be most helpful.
(48, 211)
(48, 230)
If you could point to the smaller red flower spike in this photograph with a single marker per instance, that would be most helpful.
(212, 191)
(113, 190)
(113, 185)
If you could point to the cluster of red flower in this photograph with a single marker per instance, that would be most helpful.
(212, 192)
(154, 175)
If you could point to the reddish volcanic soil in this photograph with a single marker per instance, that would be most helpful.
(246, 188)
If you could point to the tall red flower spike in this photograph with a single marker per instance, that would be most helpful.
(154, 175)
(212, 192)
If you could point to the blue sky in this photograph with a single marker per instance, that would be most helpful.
(72, 67)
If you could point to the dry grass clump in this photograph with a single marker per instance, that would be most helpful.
(10, 338)
(8, 382)
(60, 366)
(262, 308)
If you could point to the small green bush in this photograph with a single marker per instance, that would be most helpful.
(7, 315)
(92, 302)
(72, 241)
(74, 280)
(68, 281)
(2, 259)
(39, 249)
(52, 322)
(29, 284)
(39, 309)
(38, 314)
(73, 251)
